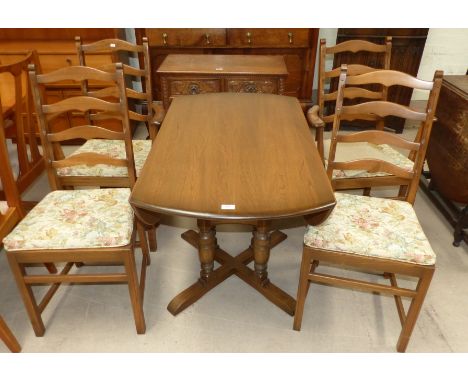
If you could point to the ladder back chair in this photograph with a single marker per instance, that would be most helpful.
(11, 212)
(373, 235)
(152, 112)
(369, 159)
(317, 115)
(92, 226)
(17, 111)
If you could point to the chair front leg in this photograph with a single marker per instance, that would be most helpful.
(134, 290)
(414, 309)
(27, 295)
(302, 289)
(8, 337)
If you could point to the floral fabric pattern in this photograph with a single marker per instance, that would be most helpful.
(114, 148)
(361, 150)
(373, 227)
(93, 218)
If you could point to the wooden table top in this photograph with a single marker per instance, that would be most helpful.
(223, 64)
(234, 156)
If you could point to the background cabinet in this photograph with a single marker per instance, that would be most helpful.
(298, 46)
(407, 49)
(56, 49)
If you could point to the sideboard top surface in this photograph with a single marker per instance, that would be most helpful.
(218, 64)
(458, 81)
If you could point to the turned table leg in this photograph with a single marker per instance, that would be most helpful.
(261, 249)
(206, 249)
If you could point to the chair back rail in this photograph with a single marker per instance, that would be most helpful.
(357, 46)
(417, 148)
(117, 46)
(98, 109)
(352, 46)
(17, 110)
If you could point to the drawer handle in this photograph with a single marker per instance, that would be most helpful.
(194, 89)
(164, 36)
(207, 37)
(250, 87)
(249, 37)
(69, 61)
(290, 35)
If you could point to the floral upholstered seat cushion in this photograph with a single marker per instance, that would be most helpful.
(374, 227)
(114, 148)
(75, 219)
(361, 150)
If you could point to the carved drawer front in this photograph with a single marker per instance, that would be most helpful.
(194, 86)
(257, 85)
(278, 37)
(204, 37)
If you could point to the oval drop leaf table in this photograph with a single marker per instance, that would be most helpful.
(233, 158)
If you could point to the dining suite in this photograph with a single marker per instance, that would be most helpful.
(239, 154)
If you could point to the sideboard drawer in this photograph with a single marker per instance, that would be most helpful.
(178, 86)
(204, 37)
(256, 37)
(253, 85)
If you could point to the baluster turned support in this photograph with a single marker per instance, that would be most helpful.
(261, 247)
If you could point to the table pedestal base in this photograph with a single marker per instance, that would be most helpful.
(231, 265)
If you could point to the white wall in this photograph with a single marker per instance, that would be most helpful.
(330, 35)
(445, 49)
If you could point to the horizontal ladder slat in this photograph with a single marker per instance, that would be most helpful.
(352, 93)
(372, 165)
(111, 45)
(353, 70)
(76, 73)
(378, 138)
(89, 159)
(383, 109)
(86, 132)
(356, 46)
(80, 103)
(389, 78)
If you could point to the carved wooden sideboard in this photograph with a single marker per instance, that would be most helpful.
(184, 74)
(298, 47)
(56, 49)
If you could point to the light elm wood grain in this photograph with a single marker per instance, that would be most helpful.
(254, 151)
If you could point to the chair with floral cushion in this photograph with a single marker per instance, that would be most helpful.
(151, 112)
(143, 109)
(319, 115)
(375, 234)
(90, 226)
